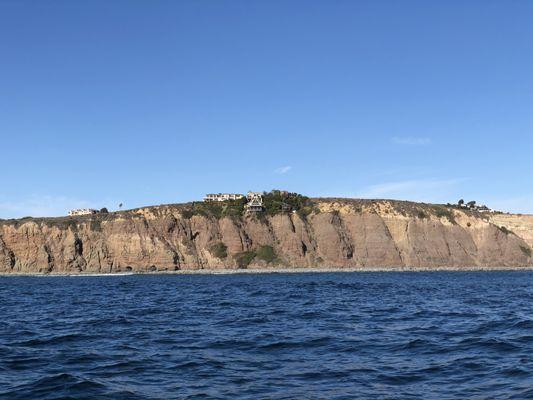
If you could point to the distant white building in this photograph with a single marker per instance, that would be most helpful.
(254, 195)
(476, 207)
(223, 197)
(82, 211)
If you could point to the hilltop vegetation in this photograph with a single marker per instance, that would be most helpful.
(274, 202)
(279, 201)
(230, 208)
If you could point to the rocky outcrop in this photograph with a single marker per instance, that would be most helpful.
(338, 233)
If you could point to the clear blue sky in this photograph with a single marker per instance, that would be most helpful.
(150, 102)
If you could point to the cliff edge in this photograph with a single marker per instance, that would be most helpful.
(339, 233)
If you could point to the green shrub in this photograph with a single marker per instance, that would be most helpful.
(207, 209)
(244, 259)
(233, 208)
(443, 212)
(421, 214)
(230, 208)
(266, 253)
(187, 214)
(304, 212)
(276, 201)
(219, 250)
(95, 225)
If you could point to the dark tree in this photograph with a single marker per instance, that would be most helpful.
(104, 211)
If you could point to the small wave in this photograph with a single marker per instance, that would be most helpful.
(523, 324)
(489, 344)
(516, 372)
(401, 379)
(54, 340)
(55, 386)
(415, 344)
(307, 344)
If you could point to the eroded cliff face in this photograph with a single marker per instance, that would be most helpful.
(339, 233)
(522, 225)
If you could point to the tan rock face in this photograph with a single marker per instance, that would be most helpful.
(339, 234)
(522, 225)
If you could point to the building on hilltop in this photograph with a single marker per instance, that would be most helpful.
(254, 199)
(223, 197)
(255, 202)
(473, 206)
(484, 209)
(82, 211)
(253, 195)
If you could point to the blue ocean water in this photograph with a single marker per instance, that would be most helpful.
(442, 335)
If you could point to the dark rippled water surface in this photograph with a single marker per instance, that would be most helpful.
(280, 336)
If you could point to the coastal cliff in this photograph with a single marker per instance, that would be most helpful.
(333, 233)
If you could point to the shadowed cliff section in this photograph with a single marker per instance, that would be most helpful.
(339, 233)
